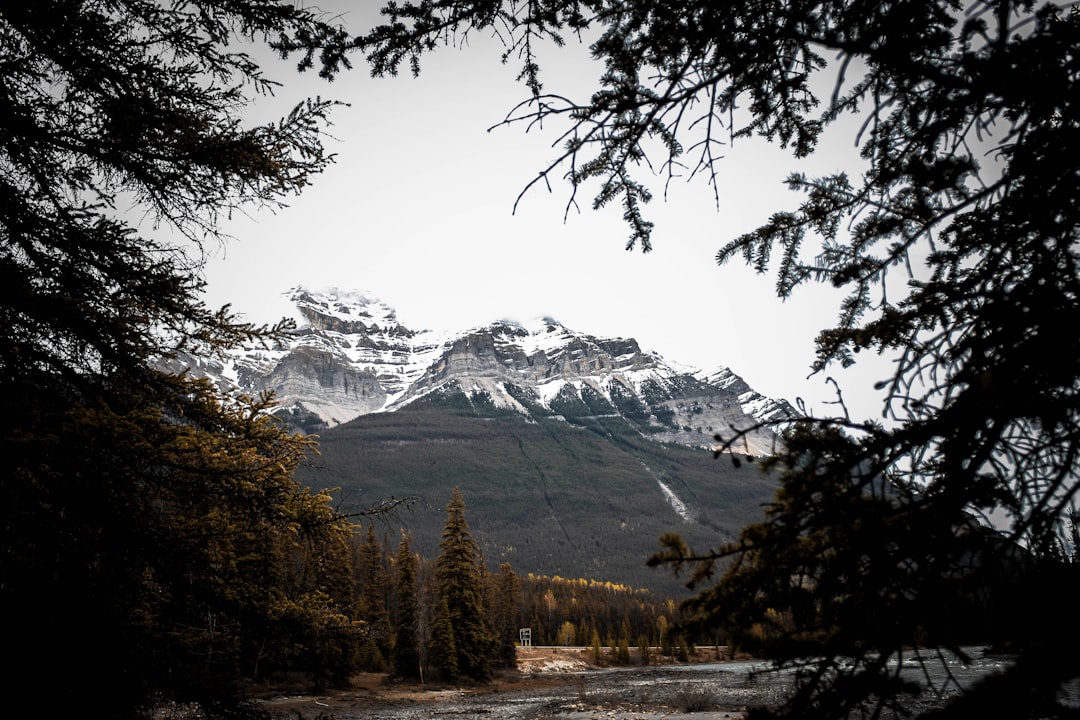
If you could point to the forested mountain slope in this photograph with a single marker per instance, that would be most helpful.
(581, 498)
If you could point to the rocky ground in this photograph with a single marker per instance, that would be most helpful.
(562, 684)
(557, 683)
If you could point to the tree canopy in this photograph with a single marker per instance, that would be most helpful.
(956, 246)
(155, 546)
(466, 643)
(406, 656)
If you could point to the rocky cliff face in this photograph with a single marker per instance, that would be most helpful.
(351, 357)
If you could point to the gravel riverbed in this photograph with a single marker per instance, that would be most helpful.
(558, 683)
(562, 688)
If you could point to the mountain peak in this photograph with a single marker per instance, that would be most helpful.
(341, 310)
(352, 357)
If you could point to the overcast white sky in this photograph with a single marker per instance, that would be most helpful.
(418, 211)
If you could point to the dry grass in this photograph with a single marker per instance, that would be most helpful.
(696, 700)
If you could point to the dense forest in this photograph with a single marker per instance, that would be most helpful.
(399, 611)
(547, 496)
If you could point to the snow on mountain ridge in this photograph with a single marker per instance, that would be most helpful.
(347, 306)
(351, 356)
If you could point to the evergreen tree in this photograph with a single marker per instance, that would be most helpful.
(504, 615)
(957, 244)
(461, 588)
(145, 513)
(406, 614)
(371, 609)
(194, 555)
(444, 651)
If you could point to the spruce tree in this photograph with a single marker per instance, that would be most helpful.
(443, 651)
(505, 603)
(406, 614)
(146, 513)
(461, 589)
(371, 603)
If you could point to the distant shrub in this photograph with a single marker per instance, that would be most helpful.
(692, 700)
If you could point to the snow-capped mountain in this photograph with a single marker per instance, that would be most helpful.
(351, 357)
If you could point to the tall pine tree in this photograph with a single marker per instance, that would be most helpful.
(371, 603)
(505, 604)
(443, 652)
(461, 592)
(406, 614)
